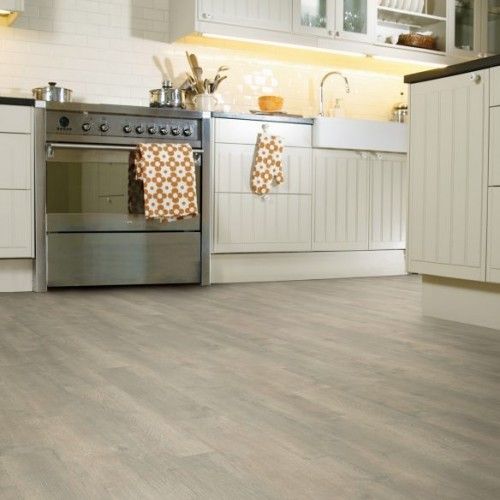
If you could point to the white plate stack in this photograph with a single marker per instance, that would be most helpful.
(408, 5)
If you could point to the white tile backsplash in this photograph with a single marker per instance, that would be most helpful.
(104, 51)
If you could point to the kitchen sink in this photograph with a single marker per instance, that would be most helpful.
(365, 135)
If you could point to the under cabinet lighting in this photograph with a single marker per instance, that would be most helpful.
(282, 44)
(9, 10)
(410, 61)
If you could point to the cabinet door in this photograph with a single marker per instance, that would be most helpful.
(249, 223)
(16, 224)
(15, 161)
(233, 165)
(340, 200)
(448, 161)
(356, 19)
(493, 272)
(264, 14)
(464, 28)
(494, 166)
(490, 27)
(388, 199)
(314, 17)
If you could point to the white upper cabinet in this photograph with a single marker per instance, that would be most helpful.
(464, 28)
(448, 162)
(355, 20)
(263, 14)
(314, 17)
(490, 27)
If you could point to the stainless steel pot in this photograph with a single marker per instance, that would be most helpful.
(167, 97)
(52, 93)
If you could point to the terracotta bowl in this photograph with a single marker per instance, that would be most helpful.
(271, 103)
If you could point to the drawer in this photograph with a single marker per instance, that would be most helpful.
(246, 131)
(493, 265)
(247, 223)
(233, 165)
(16, 119)
(495, 86)
(494, 163)
(16, 224)
(16, 159)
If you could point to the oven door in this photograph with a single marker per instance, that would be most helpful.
(88, 190)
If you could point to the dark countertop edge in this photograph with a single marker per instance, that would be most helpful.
(262, 118)
(454, 69)
(17, 101)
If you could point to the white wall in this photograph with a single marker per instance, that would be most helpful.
(104, 51)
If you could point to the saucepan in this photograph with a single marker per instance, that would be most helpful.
(52, 93)
(167, 96)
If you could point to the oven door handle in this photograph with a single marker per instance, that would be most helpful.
(63, 145)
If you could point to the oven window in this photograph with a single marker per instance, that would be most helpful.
(92, 191)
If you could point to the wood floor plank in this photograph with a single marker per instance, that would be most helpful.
(324, 389)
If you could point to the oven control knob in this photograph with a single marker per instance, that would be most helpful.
(86, 127)
(127, 129)
(104, 127)
(188, 131)
(164, 131)
(139, 129)
(176, 131)
(152, 130)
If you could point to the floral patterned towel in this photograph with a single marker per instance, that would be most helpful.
(267, 168)
(167, 172)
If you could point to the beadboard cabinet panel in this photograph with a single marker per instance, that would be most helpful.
(493, 270)
(246, 131)
(233, 165)
(264, 14)
(249, 223)
(16, 119)
(494, 169)
(15, 161)
(16, 223)
(495, 86)
(341, 200)
(388, 199)
(447, 177)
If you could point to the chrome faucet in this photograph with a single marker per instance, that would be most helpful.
(321, 90)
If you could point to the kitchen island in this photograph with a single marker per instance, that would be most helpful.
(454, 198)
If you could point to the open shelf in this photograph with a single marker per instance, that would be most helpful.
(407, 18)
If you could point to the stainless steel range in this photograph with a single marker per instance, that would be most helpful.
(83, 217)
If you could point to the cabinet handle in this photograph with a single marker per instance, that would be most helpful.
(474, 77)
(205, 15)
(330, 33)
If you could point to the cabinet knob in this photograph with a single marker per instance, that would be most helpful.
(205, 15)
(474, 77)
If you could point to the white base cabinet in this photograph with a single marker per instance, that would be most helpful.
(16, 182)
(388, 201)
(359, 200)
(493, 269)
(341, 205)
(448, 172)
(248, 223)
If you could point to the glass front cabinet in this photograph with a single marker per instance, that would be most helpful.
(314, 17)
(491, 27)
(355, 19)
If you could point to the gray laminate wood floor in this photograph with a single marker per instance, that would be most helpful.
(306, 390)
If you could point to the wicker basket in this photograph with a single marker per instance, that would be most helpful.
(418, 40)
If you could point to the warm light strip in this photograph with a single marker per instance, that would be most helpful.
(410, 61)
(5, 12)
(281, 44)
